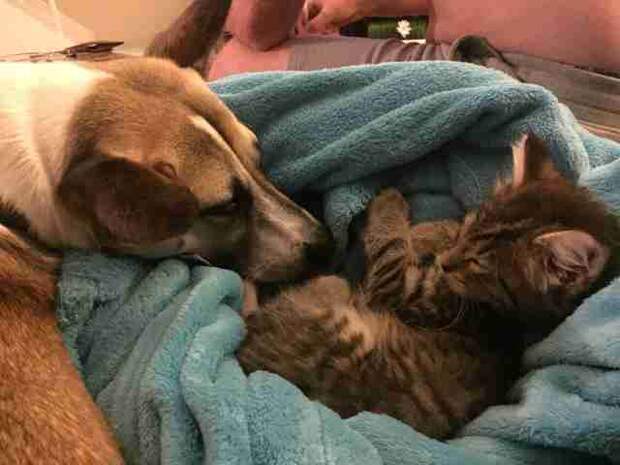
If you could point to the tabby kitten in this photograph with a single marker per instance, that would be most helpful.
(433, 334)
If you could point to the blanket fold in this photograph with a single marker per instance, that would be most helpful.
(155, 341)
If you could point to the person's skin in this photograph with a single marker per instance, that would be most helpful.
(577, 32)
(259, 33)
(326, 16)
(263, 24)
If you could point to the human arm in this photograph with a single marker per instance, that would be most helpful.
(263, 24)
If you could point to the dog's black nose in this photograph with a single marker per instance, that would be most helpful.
(319, 252)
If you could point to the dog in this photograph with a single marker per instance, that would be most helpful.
(137, 156)
(132, 156)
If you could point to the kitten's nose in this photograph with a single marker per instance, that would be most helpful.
(319, 252)
(427, 259)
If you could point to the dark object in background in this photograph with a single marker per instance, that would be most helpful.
(100, 50)
(388, 28)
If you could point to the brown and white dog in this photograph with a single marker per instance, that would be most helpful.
(138, 156)
(131, 156)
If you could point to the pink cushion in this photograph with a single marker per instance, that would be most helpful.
(578, 32)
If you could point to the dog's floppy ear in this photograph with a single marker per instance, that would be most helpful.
(126, 202)
(192, 34)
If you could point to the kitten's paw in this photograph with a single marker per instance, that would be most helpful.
(250, 299)
(334, 289)
(387, 234)
(389, 206)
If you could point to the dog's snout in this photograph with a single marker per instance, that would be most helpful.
(319, 251)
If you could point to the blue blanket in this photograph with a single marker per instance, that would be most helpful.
(155, 341)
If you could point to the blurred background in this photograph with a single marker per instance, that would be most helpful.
(32, 25)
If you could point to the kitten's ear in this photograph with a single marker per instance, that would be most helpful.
(531, 161)
(127, 202)
(573, 257)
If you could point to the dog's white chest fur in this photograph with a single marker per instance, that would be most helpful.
(37, 102)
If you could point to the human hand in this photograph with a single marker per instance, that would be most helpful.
(328, 16)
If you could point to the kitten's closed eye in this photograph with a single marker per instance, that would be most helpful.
(477, 264)
(455, 262)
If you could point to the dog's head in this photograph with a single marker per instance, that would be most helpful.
(157, 165)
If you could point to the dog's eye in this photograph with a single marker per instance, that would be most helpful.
(224, 208)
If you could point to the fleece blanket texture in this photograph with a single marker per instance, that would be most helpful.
(155, 341)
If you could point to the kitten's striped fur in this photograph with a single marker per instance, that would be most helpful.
(433, 335)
